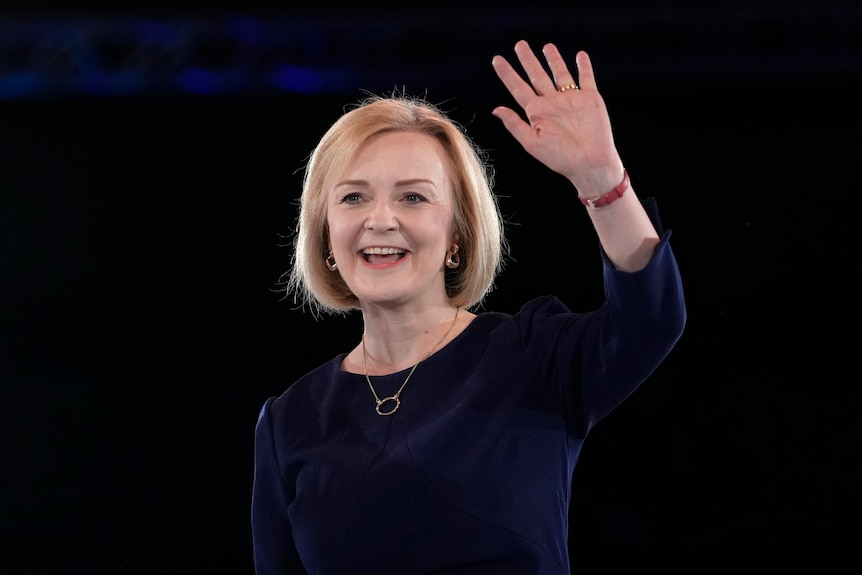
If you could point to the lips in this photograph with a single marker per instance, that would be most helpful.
(382, 254)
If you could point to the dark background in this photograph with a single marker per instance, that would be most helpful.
(150, 164)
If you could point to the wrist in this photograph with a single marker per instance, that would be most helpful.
(608, 197)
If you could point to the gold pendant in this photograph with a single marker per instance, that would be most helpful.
(393, 398)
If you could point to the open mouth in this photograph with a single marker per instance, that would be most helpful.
(382, 255)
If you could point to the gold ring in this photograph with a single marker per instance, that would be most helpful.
(567, 87)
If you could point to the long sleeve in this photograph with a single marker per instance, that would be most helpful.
(274, 549)
(473, 473)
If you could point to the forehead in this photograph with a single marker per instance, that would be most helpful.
(406, 152)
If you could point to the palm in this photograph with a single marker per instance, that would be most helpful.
(570, 132)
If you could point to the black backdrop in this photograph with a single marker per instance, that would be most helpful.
(142, 327)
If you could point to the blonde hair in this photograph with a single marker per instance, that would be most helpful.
(477, 217)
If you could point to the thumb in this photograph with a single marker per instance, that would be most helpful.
(514, 124)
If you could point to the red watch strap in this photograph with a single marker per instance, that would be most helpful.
(608, 197)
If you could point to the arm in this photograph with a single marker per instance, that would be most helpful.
(570, 132)
(273, 547)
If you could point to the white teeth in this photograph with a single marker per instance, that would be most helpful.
(382, 251)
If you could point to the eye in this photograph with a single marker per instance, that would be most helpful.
(414, 198)
(351, 198)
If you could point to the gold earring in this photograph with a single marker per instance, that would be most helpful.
(453, 260)
(330, 262)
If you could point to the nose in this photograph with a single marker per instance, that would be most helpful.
(381, 217)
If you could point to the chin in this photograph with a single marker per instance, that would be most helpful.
(383, 298)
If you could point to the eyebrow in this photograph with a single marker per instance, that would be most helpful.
(399, 183)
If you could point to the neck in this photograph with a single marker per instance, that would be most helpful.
(392, 345)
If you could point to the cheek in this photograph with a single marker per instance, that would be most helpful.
(332, 223)
(340, 233)
(448, 224)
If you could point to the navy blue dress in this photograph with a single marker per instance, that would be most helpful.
(472, 474)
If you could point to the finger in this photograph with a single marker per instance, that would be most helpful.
(586, 77)
(520, 90)
(516, 126)
(539, 78)
(562, 76)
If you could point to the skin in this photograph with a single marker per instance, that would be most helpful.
(570, 132)
(404, 305)
(395, 194)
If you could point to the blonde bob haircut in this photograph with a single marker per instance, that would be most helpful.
(477, 219)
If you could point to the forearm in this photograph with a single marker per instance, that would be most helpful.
(625, 231)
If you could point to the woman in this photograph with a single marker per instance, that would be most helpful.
(445, 441)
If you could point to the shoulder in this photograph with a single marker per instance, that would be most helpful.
(536, 315)
(307, 390)
(537, 308)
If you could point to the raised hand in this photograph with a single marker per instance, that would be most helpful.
(567, 126)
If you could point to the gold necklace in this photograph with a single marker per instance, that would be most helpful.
(396, 397)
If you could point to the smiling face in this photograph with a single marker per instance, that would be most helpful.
(390, 219)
